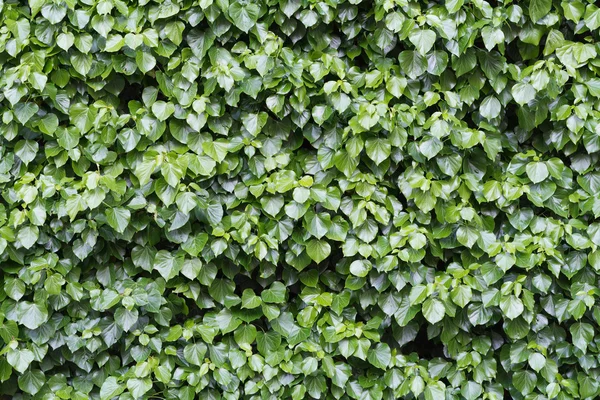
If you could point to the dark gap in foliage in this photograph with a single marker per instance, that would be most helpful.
(243, 282)
(423, 346)
(131, 91)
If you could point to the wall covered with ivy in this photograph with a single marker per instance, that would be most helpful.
(299, 199)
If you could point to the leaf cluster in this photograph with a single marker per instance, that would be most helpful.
(296, 199)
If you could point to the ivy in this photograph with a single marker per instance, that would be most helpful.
(328, 199)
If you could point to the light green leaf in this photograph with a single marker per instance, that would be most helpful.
(32, 381)
(146, 62)
(413, 64)
(523, 93)
(26, 150)
(511, 306)
(24, 111)
(538, 9)
(20, 359)
(433, 310)
(167, 265)
(423, 39)
(537, 171)
(318, 250)
(162, 110)
(244, 15)
(111, 388)
(378, 149)
(118, 218)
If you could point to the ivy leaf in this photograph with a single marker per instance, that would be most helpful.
(32, 315)
(433, 310)
(378, 150)
(538, 9)
(275, 293)
(163, 110)
(318, 250)
(244, 15)
(126, 318)
(360, 268)
(380, 356)
(118, 218)
(167, 265)
(20, 359)
(216, 150)
(146, 62)
(32, 381)
(111, 388)
(523, 93)
(412, 63)
(24, 111)
(524, 381)
(26, 150)
(511, 306)
(423, 39)
(194, 353)
(138, 387)
(537, 171)
(582, 334)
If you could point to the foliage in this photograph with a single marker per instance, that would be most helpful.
(290, 199)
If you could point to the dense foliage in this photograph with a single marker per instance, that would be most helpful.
(275, 199)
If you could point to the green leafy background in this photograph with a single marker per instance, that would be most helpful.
(295, 199)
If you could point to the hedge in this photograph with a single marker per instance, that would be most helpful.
(296, 199)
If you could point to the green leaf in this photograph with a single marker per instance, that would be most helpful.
(433, 310)
(24, 111)
(582, 334)
(511, 306)
(490, 107)
(126, 318)
(275, 293)
(26, 150)
(318, 250)
(167, 265)
(254, 123)
(524, 381)
(380, 356)
(537, 361)
(194, 353)
(378, 150)
(244, 16)
(9, 331)
(217, 150)
(467, 236)
(118, 218)
(538, 9)
(423, 39)
(163, 110)
(28, 236)
(111, 388)
(32, 381)
(250, 300)
(435, 390)
(523, 93)
(138, 387)
(430, 147)
(245, 334)
(318, 224)
(31, 315)
(20, 359)
(537, 171)
(146, 62)
(360, 268)
(194, 244)
(412, 63)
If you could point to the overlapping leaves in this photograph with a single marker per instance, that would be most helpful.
(299, 199)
